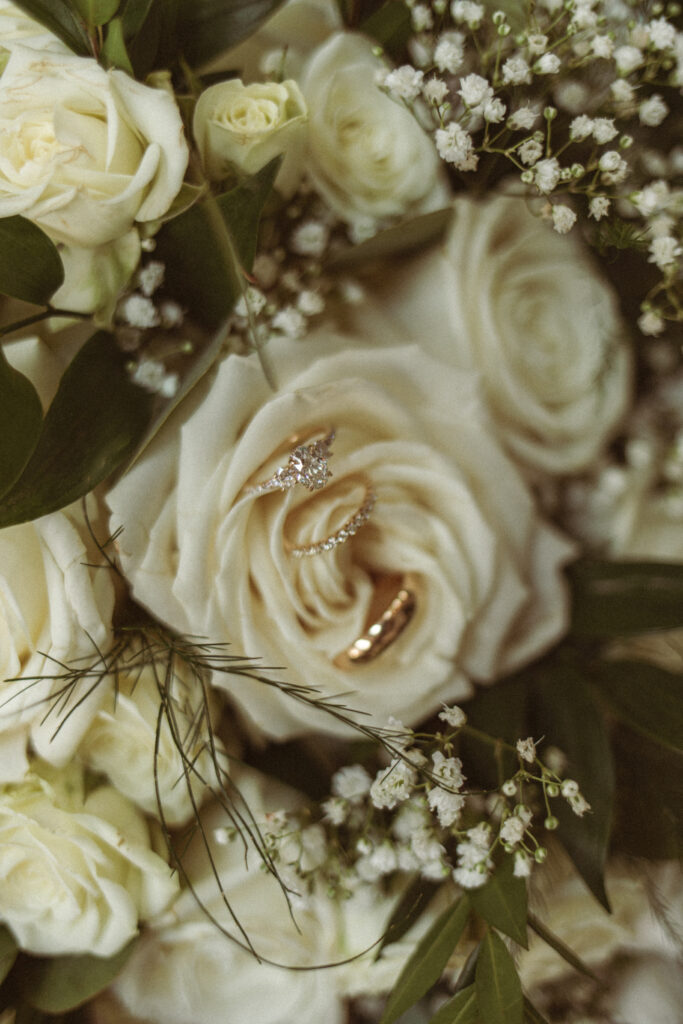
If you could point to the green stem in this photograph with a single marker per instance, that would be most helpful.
(37, 317)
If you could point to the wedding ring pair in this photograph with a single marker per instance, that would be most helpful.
(308, 465)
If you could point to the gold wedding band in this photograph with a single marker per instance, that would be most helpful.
(382, 633)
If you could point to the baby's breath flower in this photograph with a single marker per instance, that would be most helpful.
(530, 152)
(602, 46)
(335, 810)
(139, 311)
(522, 865)
(627, 59)
(598, 207)
(469, 13)
(548, 64)
(421, 18)
(622, 91)
(564, 218)
(603, 130)
(352, 783)
(393, 785)
(522, 119)
(474, 90)
(448, 806)
(309, 238)
(455, 146)
(652, 111)
(474, 864)
(516, 71)
(494, 110)
(613, 167)
(651, 323)
(449, 53)
(404, 83)
(527, 750)
(150, 277)
(546, 174)
(252, 301)
(310, 303)
(453, 716)
(661, 34)
(435, 91)
(537, 43)
(290, 322)
(509, 787)
(663, 251)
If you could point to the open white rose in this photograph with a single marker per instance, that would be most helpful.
(508, 297)
(17, 27)
(453, 522)
(246, 126)
(85, 152)
(76, 873)
(369, 157)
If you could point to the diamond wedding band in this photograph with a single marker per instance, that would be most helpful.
(347, 530)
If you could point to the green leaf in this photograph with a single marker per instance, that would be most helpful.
(502, 902)
(204, 247)
(412, 234)
(462, 1008)
(499, 990)
(96, 12)
(210, 27)
(408, 909)
(8, 952)
(568, 717)
(21, 419)
(93, 425)
(559, 946)
(428, 960)
(645, 697)
(390, 26)
(648, 820)
(30, 267)
(501, 712)
(114, 53)
(133, 16)
(59, 18)
(531, 1014)
(62, 983)
(613, 599)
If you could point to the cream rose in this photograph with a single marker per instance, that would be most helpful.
(17, 27)
(453, 521)
(76, 873)
(369, 157)
(508, 297)
(85, 152)
(245, 126)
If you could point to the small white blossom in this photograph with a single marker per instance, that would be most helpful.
(537, 43)
(627, 59)
(564, 218)
(171, 313)
(613, 167)
(150, 277)
(603, 130)
(653, 197)
(290, 322)
(571, 95)
(516, 71)
(651, 323)
(522, 119)
(512, 830)
(435, 91)
(447, 806)
(469, 13)
(546, 174)
(494, 110)
(309, 238)
(421, 18)
(663, 251)
(579, 805)
(251, 302)
(653, 111)
(453, 716)
(335, 810)
(272, 61)
(139, 311)
(522, 865)
(379, 861)
(474, 90)
(393, 785)
(548, 64)
(455, 146)
(662, 34)
(474, 864)
(509, 787)
(580, 128)
(598, 207)
(530, 152)
(602, 46)
(449, 53)
(411, 816)
(151, 375)
(266, 270)
(310, 303)
(622, 91)
(404, 83)
(352, 783)
(527, 750)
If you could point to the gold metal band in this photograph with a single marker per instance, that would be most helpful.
(382, 633)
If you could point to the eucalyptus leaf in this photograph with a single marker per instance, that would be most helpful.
(569, 718)
(613, 599)
(462, 1008)
(30, 267)
(8, 952)
(408, 909)
(645, 697)
(498, 988)
(59, 18)
(502, 902)
(559, 946)
(93, 425)
(58, 984)
(206, 247)
(96, 12)
(420, 231)
(21, 420)
(114, 52)
(428, 960)
(210, 27)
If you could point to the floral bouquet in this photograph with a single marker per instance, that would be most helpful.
(341, 511)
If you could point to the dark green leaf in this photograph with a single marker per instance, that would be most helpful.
(390, 26)
(531, 1014)
(8, 952)
(133, 16)
(461, 1009)
(559, 946)
(59, 18)
(502, 902)
(30, 267)
(412, 234)
(21, 419)
(569, 718)
(204, 247)
(408, 909)
(61, 983)
(613, 599)
(96, 12)
(210, 27)
(499, 990)
(93, 425)
(428, 960)
(645, 697)
(501, 712)
(114, 53)
(468, 972)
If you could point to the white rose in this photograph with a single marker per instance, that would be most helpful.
(508, 297)
(453, 521)
(127, 744)
(76, 874)
(85, 152)
(246, 126)
(370, 159)
(17, 27)
(94, 278)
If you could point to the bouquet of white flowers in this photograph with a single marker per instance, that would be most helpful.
(341, 511)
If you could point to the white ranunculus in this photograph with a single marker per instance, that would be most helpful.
(76, 873)
(84, 152)
(244, 127)
(453, 521)
(122, 741)
(369, 157)
(526, 308)
(17, 27)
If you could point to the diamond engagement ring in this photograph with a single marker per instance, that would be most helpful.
(307, 465)
(345, 532)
